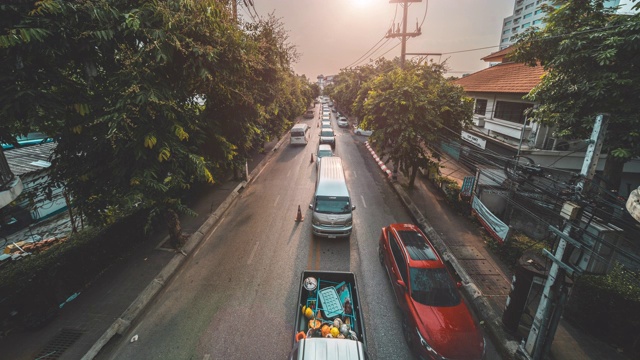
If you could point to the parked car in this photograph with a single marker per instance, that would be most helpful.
(326, 124)
(360, 131)
(437, 323)
(323, 150)
(327, 136)
(342, 122)
(309, 114)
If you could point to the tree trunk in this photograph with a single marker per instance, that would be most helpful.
(412, 178)
(175, 229)
(612, 173)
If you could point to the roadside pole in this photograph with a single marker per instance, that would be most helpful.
(543, 328)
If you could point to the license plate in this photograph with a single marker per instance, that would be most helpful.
(331, 236)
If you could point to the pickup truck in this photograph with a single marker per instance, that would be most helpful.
(329, 322)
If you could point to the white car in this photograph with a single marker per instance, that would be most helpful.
(323, 150)
(363, 132)
(342, 122)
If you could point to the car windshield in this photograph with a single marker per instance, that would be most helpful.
(433, 287)
(333, 205)
(326, 133)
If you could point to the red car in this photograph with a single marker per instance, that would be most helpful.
(437, 323)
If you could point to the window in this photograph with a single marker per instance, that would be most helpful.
(507, 23)
(536, 22)
(526, 16)
(481, 106)
(505, 40)
(537, 12)
(528, 6)
(511, 111)
(526, 25)
(397, 255)
(505, 32)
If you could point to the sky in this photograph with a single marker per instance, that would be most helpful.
(333, 34)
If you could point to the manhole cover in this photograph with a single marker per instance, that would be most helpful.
(59, 344)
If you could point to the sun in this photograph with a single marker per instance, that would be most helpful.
(361, 3)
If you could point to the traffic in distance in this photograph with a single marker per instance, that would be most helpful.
(437, 323)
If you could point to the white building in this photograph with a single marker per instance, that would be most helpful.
(527, 14)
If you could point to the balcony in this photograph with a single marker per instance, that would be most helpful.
(510, 130)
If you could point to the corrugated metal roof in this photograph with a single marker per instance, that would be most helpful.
(514, 78)
(29, 159)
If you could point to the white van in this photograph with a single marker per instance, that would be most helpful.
(331, 205)
(299, 134)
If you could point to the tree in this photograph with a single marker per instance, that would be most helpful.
(133, 91)
(409, 109)
(591, 58)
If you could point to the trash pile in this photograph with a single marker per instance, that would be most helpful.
(17, 250)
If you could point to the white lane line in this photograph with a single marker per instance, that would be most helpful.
(363, 202)
(210, 235)
(261, 170)
(288, 173)
(275, 202)
(253, 252)
(354, 174)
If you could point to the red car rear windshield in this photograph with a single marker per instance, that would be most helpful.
(433, 287)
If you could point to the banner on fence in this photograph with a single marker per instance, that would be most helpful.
(495, 226)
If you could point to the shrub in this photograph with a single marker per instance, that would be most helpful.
(513, 249)
(608, 307)
(34, 287)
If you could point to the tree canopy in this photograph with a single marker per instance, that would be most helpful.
(591, 56)
(144, 98)
(408, 109)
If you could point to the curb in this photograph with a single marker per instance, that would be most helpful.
(121, 324)
(507, 348)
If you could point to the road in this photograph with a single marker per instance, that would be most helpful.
(236, 296)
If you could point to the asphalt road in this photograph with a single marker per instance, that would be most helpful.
(236, 296)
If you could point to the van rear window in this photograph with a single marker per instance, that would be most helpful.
(297, 132)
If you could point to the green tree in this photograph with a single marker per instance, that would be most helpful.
(144, 98)
(409, 109)
(591, 58)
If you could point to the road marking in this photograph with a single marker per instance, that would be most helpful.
(354, 174)
(310, 257)
(288, 173)
(261, 170)
(209, 236)
(275, 202)
(363, 202)
(253, 252)
(317, 255)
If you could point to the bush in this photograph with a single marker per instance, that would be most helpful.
(33, 288)
(608, 307)
(513, 249)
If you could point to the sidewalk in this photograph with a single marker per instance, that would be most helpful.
(486, 280)
(112, 301)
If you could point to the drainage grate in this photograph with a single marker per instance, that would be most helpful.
(59, 344)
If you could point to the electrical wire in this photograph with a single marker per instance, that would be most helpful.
(358, 61)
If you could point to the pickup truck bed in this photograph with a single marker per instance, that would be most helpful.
(335, 296)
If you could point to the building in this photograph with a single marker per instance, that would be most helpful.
(527, 14)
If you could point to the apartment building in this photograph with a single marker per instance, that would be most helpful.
(527, 14)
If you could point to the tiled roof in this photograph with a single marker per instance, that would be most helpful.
(29, 158)
(498, 55)
(512, 78)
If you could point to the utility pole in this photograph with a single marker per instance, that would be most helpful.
(404, 34)
(403, 53)
(544, 323)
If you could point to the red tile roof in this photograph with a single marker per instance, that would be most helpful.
(503, 78)
(498, 56)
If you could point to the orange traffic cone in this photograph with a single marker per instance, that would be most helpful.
(299, 217)
(311, 157)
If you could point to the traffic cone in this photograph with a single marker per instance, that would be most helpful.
(311, 157)
(299, 217)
